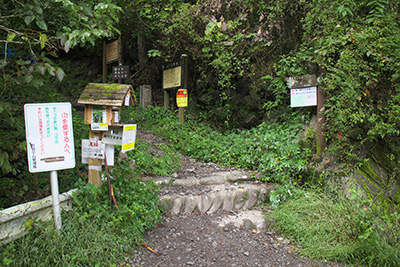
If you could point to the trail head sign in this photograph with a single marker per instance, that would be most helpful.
(49, 137)
(303, 97)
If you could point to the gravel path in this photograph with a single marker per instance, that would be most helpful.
(198, 240)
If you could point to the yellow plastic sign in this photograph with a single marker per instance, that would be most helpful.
(182, 98)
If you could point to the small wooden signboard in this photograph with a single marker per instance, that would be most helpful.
(112, 52)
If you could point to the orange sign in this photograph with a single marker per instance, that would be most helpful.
(182, 98)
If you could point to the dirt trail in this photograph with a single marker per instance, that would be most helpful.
(222, 238)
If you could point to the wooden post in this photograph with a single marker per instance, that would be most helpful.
(120, 60)
(95, 164)
(320, 121)
(181, 115)
(104, 62)
(166, 99)
(145, 95)
(184, 76)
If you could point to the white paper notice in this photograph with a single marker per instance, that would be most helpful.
(128, 137)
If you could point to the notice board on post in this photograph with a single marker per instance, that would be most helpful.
(172, 76)
(303, 91)
(49, 136)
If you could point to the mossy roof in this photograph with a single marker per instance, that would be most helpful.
(104, 94)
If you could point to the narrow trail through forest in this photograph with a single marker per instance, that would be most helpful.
(214, 218)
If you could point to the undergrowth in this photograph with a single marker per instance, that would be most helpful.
(94, 233)
(268, 148)
(340, 229)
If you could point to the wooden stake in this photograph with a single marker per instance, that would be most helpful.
(104, 62)
(95, 164)
(166, 99)
(320, 121)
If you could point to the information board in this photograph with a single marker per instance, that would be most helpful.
(172, 77)
(49, 136)
(99, 119)
(303, 97)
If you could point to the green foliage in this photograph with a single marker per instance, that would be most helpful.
(31, 32)
(352, 47)
(344, 230)
(268, 148)
(94, 233)
(155, 161)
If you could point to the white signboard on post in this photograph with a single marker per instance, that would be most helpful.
(49, 136)
(303, 97)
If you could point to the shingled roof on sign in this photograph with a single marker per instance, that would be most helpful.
(104, 94)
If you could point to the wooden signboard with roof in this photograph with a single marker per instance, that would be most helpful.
(103, 104)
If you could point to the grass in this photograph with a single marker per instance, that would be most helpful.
(95, 233)
(342, 230)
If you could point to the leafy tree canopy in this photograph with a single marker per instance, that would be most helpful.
(31, 33)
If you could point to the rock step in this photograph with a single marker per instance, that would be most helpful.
(226, 197)
(211, 179)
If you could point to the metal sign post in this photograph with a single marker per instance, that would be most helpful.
(56, 200)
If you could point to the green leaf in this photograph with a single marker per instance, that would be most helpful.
(43, 39)
(41, 24)
(29, 19)
(11, 36)
(60, 74)
(39, 10)
(28, 224)
(67, 45)
(41, 69)
(28, 78)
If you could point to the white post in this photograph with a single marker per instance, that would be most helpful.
(56, 200)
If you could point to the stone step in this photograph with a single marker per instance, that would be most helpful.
(209, 199)
(211, 179)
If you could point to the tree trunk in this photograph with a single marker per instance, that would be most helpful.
(142, 51)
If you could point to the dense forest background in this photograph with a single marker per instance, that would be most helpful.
(240, 52)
